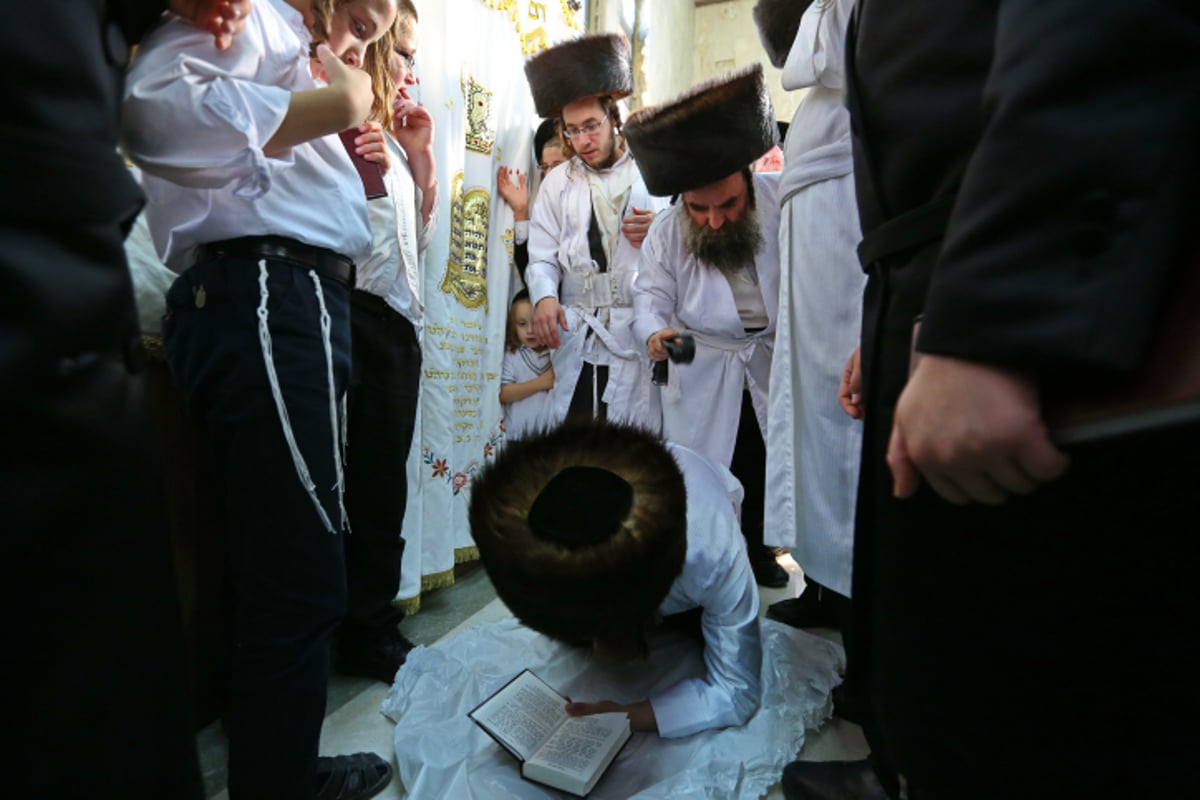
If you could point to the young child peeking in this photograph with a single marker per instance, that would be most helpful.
(526, 377)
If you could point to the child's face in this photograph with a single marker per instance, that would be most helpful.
(522, 312)
(357, 23)
(404, 52)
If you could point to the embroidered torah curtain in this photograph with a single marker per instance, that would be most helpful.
(471, 64)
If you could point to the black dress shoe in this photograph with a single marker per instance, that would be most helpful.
(358, 776)
(378, 659)
(808, 610)
(832, 780)
(767, 571)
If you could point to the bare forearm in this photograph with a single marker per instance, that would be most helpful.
(512, 392)
(424, 172)
(312, 114)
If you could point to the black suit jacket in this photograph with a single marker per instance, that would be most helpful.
(1068, 134)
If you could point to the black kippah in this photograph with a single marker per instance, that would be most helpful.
(581, 506)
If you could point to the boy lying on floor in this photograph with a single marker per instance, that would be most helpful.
(594, 533)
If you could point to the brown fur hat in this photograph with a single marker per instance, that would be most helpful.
(778, 21)
(604, 585)
(708, 133)
(591, 66)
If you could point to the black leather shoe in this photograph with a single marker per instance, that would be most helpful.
(378, 660)
(767, 571)
(832, 780)
(352, 777)
(806, 611)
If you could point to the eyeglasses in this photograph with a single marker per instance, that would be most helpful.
(409, 58)
(587, 129)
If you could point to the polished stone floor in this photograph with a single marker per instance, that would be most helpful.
(354, 723)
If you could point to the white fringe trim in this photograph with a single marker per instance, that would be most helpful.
(264, 336)
(336, 427)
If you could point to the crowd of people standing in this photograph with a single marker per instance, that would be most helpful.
(984, 206)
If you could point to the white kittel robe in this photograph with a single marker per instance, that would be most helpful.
(814, 450)
(558, 245)
(703, 400)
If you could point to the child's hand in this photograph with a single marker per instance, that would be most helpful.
(412, 124)
(371, 145)
(545, 381)
(516, 195)
(353, 84)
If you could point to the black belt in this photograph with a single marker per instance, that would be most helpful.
(324, 262)
(923, 224)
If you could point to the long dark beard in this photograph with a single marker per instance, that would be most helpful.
(729, 249)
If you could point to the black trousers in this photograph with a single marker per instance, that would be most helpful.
(1033, 649)
(381, 411)
(286, 571)
(93, 639)
(749, 465)
(581, 406)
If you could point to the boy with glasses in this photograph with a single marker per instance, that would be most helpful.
(587, 227)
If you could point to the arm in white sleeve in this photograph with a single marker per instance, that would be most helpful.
(543, 274)
(654, 289)
(520, 231)
(425, 235)
(200, 117)
(729, 693)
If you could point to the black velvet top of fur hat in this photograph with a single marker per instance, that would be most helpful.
(590, 66)
(609, 562)
(581, 506)
(778, 21)
(710, 132)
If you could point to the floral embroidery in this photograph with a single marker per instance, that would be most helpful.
(461, 479)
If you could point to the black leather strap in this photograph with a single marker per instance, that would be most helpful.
(324, 262)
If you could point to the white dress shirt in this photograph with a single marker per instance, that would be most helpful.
(393, 271)
(196, 119)
(717, 579)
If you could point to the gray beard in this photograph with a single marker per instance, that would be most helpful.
(730, 249)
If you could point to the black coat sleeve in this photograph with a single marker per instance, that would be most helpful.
(1081, 190)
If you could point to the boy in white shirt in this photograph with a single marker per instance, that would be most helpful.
(257, 205)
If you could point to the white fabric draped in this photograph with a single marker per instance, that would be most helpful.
(471, 66)
(813, 452)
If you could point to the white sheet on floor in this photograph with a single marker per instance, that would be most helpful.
(442, 754)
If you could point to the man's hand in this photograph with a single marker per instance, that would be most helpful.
(224, 19)
(654, 344)
(635, 226)
(515, 194)
(548, 317)
(641, 715)
(370, 145)
(973, 431)
(850, 388)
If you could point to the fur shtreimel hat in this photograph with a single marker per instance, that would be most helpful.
(710, 132)
(590, 66)
(778, 21)
(583, 530)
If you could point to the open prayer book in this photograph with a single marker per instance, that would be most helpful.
(529, 720)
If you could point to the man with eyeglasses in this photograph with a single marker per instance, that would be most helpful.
(710, 268)
(589, 219)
